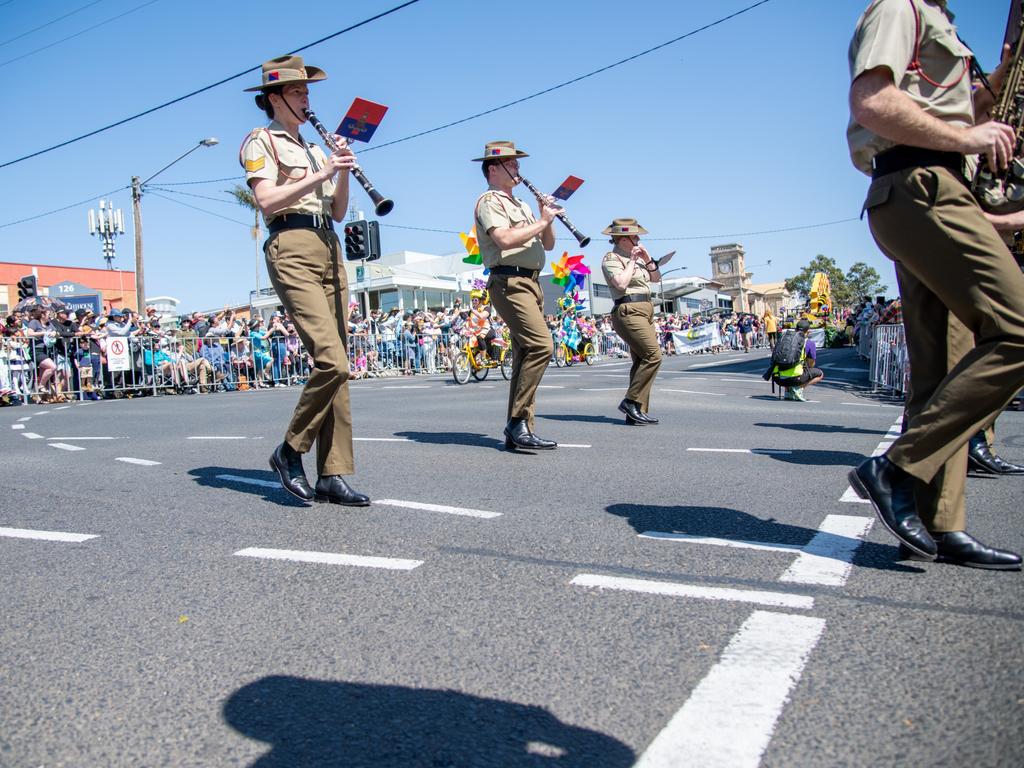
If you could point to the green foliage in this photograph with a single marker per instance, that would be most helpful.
(859, 280)
(243, 196)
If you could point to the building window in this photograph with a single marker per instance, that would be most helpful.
(602, 291)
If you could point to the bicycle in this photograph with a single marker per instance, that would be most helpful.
(564, 355)
(469, 363)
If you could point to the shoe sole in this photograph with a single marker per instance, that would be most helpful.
(861, 490)
(281, 479)
(512, 445)
(321, 499)
(979, 566)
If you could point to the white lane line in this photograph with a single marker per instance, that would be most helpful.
(834, 367)
(550, 386)
(559, 375)
(24, 418)
(408, 386)
(709, 365)
(881, 448)
(692, 392)
(17, 426)
(602, 389)
(740, 381)
(872, 405)
(216, 437)
(40, 413)
(850, 496)
(828, 558)
(730, 717)
(66, 446)
(63, 407)
(612, 375)
(330, 558)
(250, 481)
(83, 438)
(31, 435)
(776, 599)
(436, 508)
(574, 445)
(382, 439)
(140, 462)
(755, 451)
(687, 538)
(24, 533)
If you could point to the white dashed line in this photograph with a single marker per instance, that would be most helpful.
(66, 446)
(602, 389)
(216, 437)
(381, 439)
(755, 451)
(330, 558)
(574, 445)
(672, 589)
(731, 714)
(62, 408)
(828, 558)
(24, 418)
(84, 438)
(872, 405)
(24, 533)
(40, 413)
(17, 426)
(687, 538)
(409, 386)
(550, 386)
(140, 462)
(31, 435)
(436, 508)
(692, 392)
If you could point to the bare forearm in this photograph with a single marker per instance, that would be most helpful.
(509, 237)
(339, 207)
(271, 198)
(885, 110)
(547, 237)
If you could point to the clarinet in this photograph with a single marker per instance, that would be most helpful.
(582, 239)
(382, 205)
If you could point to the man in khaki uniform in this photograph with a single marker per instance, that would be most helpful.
(512, 245)
(629, 269)
(299, 190)
(913, 120)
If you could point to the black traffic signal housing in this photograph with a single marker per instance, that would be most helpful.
(27, 287)
(362, 240)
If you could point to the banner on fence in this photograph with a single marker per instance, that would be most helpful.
(697, 338)
(117, 355)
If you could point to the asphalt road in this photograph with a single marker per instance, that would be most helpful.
(623, 600)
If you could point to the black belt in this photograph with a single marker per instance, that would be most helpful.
(632, 298)
(300, 221)
(517, 271)
(901, 157)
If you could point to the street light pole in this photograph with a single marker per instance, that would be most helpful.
(662, 301)
(137, 186)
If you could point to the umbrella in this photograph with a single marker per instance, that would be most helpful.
(46, 302)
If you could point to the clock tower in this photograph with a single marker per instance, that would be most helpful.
(728, 268)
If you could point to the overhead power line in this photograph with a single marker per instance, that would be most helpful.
(64, 208)
(47, 24)
(506, 105)
(201, 210)
(206, 88)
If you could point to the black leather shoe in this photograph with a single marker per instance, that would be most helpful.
(980, 457)
(960, 548)
(891, 492)
(333, 489)
(1007, 467)
(648, 418)
(287, 462)
(633, 415)
(519, 436)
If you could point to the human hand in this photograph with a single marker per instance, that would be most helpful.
(342, 160)
(549, 209)
(992, 139)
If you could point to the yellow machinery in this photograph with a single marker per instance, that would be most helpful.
(821, 299)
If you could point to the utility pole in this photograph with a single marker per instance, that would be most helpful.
(140, 280)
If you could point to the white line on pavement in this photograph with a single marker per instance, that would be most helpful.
(382, 439)
(850, 496)
(408, 386)
(330, 558)
(63, 407)
(17, 426)
(687, 538)
(612, 375)
(776, 599)
(40, 413)
(216, 437)
(550, 386)
(740, 381)
(83, 438)
(731, 714)
(24, 418)
(872, 405)
(436, 508)
(250, 481)
(31, 435)
(602, 389)
(755, 451)
(24, 533)
(559, 375)
(574, 445)
(66, 446)
(691, 392)
(140, 462)
(828, 557)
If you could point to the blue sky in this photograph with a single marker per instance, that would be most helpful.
(738, 129)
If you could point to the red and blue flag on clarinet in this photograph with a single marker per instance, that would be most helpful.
(569, 186)
(361, 120)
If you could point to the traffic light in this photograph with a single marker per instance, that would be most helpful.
(362, 240)
(27, 287)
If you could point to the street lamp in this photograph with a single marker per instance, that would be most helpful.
(663, 274)
(140, 283)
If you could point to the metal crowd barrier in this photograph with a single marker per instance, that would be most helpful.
(888, 362)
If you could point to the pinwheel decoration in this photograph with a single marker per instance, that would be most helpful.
(571, 273)
(472, 246)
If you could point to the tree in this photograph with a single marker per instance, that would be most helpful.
(863, 280)
(801, 283)
(245, 198)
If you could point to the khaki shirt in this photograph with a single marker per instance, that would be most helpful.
(496, 210)
(885, 37)
(615, 263)
(271, 153)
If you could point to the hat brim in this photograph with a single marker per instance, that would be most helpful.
(638, 231)
(500, 157)
(313, 75)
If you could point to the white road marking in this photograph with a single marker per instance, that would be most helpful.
(709, 365)
(834, 367)
(881, 448)
(408, 386)
(31, 435)
(612, 375)
(828, 557)
(250, 481)
(63, 407)
(574, 445)
(692, 392)
(602, 389)
(382, 439)
(216, 437)
(140, 462)
(850, 496)
(550, 386)
(559, 375)
(687, 538)
(40, 413)
(740, 381)
(24, 418)
(436, 508)
(84, 438)
(776, 599)
(755, 451)
(731, 714)
(24, 533)
(66, 446)
(872, 405)
(330, 558)
(17, 426)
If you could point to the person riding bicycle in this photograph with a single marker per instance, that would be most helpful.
(478, 324)
(570, 332)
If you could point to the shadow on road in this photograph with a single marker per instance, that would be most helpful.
(831, 429)
(725, 523)
(323, 723)
(472, 439)
(817, 458)
(582, 418)
(210, 477)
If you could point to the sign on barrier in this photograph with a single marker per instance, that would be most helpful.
(118, 358)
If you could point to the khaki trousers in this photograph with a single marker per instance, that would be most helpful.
(949, 259)
(634, 322)
(307, 271)
(520, 303)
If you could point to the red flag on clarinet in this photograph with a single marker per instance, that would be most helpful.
(569, 186)
(361, 120)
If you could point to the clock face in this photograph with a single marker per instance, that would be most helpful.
(725, 267)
